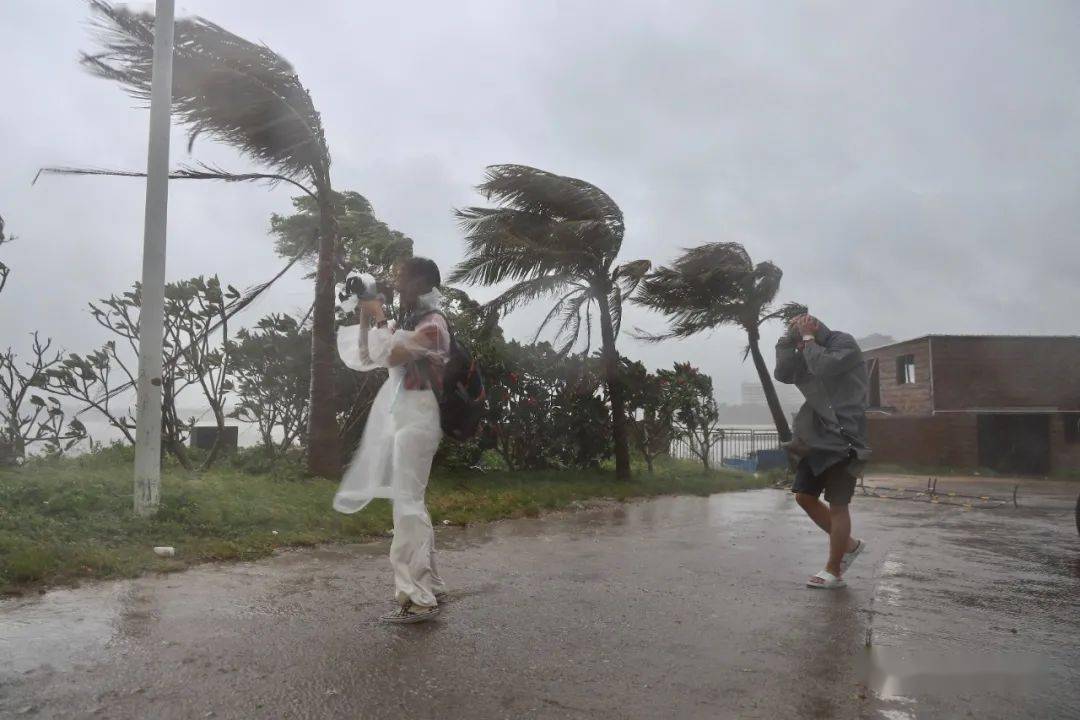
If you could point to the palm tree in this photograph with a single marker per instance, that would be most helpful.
(718, 284)
(558, 237)
(249, 97)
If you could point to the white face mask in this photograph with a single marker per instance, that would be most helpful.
(430, 301)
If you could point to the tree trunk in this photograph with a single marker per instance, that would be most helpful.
(779, 419)
(364, 390)
(215, 451)
(324, 453)
(615, 389)
(170, 425)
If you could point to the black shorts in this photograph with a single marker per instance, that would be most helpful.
(837, 481)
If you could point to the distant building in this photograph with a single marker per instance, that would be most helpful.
(1006, 403)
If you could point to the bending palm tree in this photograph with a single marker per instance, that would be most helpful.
(718, 284)
(247, 96)
(556, 237)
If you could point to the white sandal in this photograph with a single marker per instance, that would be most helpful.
(825, 580)
(845, 562)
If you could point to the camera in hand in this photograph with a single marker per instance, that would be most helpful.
(360, 286)
(356, 289)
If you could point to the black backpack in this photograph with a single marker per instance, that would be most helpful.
(463, 400)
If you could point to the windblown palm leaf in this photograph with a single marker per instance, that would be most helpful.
(552, 234)
(710, 285)
(198, 171)
(236, 91)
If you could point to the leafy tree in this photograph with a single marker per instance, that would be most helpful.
(543, 408)
(96, 380)
(695, 410)
(651, 411)
(195, 312)
(718, 284)
(366, 243)
(273, 367)
(26, 417)
(559, 237)
(91, 380)
(197, 356)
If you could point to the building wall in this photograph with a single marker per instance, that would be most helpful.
(936, 440)
(907, 399)
(1063, 456)
(951, 440)
(988, 372)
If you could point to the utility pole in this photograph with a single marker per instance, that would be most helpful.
(152, 313)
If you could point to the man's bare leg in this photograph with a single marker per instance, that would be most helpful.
(817, 510)
(840, 540)
(821, 514)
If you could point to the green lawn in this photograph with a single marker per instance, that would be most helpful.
(62, 520)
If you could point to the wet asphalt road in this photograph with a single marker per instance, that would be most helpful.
(671, 608)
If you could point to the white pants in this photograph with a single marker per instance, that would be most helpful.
(416, 436)
(412, 555)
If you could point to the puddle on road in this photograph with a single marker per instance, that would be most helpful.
(56, 630)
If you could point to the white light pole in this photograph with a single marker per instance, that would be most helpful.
(151, 315)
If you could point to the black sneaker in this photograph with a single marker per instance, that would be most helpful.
(410, 613)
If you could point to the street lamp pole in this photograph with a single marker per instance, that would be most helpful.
(152, 313)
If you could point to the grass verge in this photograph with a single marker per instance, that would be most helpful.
(71, 519)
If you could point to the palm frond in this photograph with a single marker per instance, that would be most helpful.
(504, 243)
(199, 171)
(615, 304)
(787, 312)
(544, 226)
(555, 311)
(541, 221)
(570, 329)
(236, 91)
(538, 191)
(526, 291)
(707, 286)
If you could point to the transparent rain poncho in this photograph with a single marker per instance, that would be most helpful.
(393, 460)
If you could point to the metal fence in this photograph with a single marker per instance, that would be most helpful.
(734, 447)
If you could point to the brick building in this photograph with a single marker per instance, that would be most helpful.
(1006, 403)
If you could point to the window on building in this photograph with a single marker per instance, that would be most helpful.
(905, 370)
(1072, 427)
(875, 383)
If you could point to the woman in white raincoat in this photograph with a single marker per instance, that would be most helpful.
(403, 432)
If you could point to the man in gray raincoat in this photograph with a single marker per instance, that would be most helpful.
(830, 433)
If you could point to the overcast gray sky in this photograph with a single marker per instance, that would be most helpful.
(913, 167)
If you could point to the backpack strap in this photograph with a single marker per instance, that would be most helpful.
(424, 367)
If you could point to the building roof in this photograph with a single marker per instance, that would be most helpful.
(976, 336)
